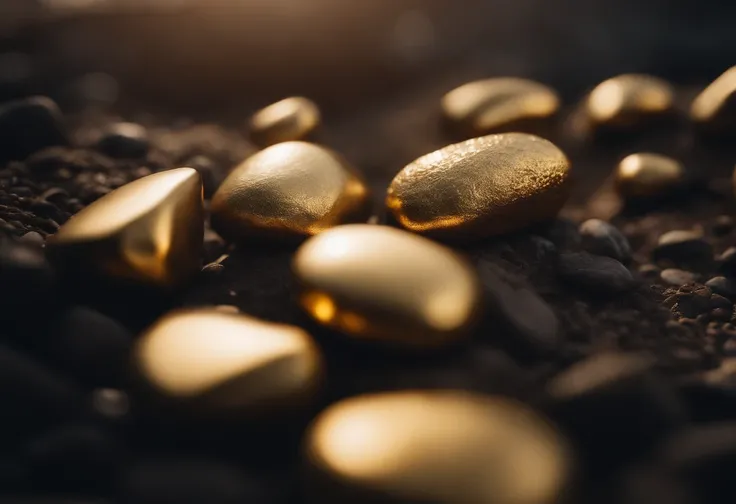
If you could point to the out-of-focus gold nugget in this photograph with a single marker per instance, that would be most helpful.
(503, 103)
(290, 190)
(380, 283)
(292, 118)
(217, 362)
(481, 187)
(444, 447)
(628, 100)
(647, 175)
(148, 232)
(715, 107)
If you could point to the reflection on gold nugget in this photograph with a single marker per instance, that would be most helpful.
(221, 362)
(714, 107)
(380, 283)
(629, 100)
(292, 118)
(444, 447)
(646, 174)
(149, 231)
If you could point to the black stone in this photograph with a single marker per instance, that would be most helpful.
(677, 277)
(614, 407)
(32, 238)
(124, 140)
(724, 286)
(685, 249)
(26, 278)
(727, 262)
(723, 225)
(601, 238)
(562, 232)
(596, 274)
(29, 125)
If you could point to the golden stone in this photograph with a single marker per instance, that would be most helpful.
(290, 190)
(629, 99)
(216, 362)
(499, 104)
(714, 107)
(444, 447)
(383, 284)
(147, 232)
(481, 187)
(292, 118)
(648, 175)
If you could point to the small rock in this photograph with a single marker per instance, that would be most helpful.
(124, 140)
(596, 274)
(722, 225)
(213, 269)
(601, 238)
(722, 314)
(683, 248)
(563, 233)
(727, 262)
(26, 278)
(29, 125)
(543, 248)
(214, 246)
(649, 270)
(32, 238)
(110, 403)
(718, 301)
(690, 305)
(723, 286)
(674, 276)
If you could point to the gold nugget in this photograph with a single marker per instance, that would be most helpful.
(647, 175)
(292, 118)
(148, 232)
(504, 103)
(215, 362)
(481, 187)
(444, 447)
(628, 100)
(714, 107)
(290, 190)
(380, 283)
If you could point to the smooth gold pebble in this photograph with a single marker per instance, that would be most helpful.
(293, 118)
(217, 362)
(648, 175)
(444, 447)
(491, 105)
(380, 283)
(715, 105)
(148, 232)
(290, 190)
(481, 187)
(629, 99)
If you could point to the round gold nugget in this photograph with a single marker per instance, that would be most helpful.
(219, 362)
(290, 190)
(714, 107)
(149, 231)
(292, 118)
(504, 103)
(647, 175)
(379, 283)
(629, 99)
(445, 447)
(481, 187)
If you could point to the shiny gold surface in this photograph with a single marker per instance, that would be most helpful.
(149, 231)
(379, 283)
(219, 361)
(503, 103)
(646, 174)
(443, 447)
(289, 190)
(289, 119)
(481, 187)
(714, 106)
(628, 99)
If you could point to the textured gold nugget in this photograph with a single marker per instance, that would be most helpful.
(380, 283)
(444, 447)
(149, 232)
(714, 107)
(491, 105)
(481, 187)
(292, 118)
(218, 362)
(646, 174)
(289, 191)
(628, 100)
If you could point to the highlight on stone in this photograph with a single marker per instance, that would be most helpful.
(629, 100)
(294, 118)
(714, 106)
(647, 174)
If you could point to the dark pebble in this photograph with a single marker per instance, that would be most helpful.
(723, 286)
(83, 459)
(677, 277)
(211, 175)
(693, 303)
(727, 262)
(596, 274)
(563, 233)
(718, 301)
(213, 269)
(188, 481)
(32, 238)
(26, 278)
(214, 246)
(29, 125)
(722, 225)
(124, 140)
(649, 270)
(614, 407)
(543, 248)
(684, 249)
(601, 238)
